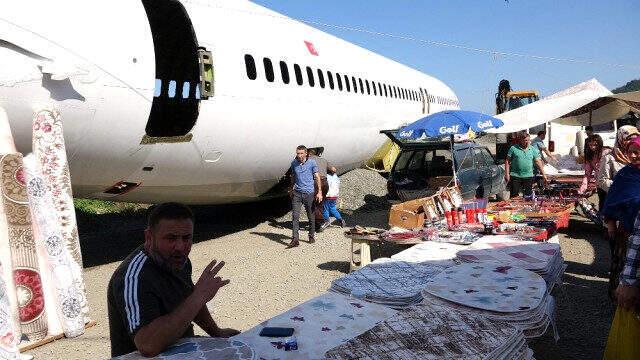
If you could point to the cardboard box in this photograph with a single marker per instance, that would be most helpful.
(407, 215)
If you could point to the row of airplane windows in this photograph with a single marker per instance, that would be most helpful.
(371, 87)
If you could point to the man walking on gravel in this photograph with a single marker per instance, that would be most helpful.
(304, 172)
(152, 301)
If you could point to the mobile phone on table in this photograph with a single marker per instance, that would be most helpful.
(276, 332)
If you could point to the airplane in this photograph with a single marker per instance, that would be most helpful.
(197, 101)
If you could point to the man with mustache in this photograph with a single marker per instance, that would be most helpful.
(152, 301)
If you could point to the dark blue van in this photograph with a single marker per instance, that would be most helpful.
(424, 166)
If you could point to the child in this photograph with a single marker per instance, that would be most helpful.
(330, 208)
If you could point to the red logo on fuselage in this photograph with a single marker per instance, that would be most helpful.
(311, 48)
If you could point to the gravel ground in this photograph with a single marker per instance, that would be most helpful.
(267, 279)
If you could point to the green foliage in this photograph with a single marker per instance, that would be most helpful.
(633, 85)
(99, 207)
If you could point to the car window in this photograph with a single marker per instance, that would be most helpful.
(403, 160)
(479, 157)
(417, 161)
(438, 163)
(488, 159)
(465, 158)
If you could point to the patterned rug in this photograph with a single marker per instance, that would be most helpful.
(434, 332)
(50, 152)
(55, 260)
(26, 269)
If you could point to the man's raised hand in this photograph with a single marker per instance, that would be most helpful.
(209, 283)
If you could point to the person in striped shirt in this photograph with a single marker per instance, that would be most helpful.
(152, 301)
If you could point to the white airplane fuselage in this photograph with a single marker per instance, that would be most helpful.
(127, 120)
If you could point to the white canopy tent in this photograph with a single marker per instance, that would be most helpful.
(587, 103)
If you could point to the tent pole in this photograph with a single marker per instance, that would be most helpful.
(453, 157)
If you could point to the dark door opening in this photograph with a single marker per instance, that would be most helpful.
(176, 101)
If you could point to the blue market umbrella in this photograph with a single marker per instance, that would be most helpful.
(449, 122)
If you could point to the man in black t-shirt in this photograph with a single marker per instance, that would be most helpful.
(152, 300)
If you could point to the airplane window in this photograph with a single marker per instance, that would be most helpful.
(321, 78)
(385, 91)
(361, 87)
(268, 69)
(379, 89)
(339, 79)
(368, 89)
(355, 84)
(346, 83)
(312, 82)
(375, 91)
(251, 67)
(404, 93)
(284, 71)
(395, 92)
(330, 78)
(296, 69)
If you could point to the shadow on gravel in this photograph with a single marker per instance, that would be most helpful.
(583, 307)
(374, 213)
(111, 237)
(341, 266)
(279, 238)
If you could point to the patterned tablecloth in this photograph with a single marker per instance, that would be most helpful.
(434, 332)
(319, 324)
(201, 348)
(490, 287)
(389, 282)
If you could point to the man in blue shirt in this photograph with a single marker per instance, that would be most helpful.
(304, 172)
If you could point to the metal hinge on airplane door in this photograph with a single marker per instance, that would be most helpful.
(205, 60)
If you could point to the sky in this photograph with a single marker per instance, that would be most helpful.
(602, 32)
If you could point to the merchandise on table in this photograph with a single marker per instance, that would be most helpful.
(393, 283)
(319, 324)
(435, 332)
(201, 348)
(429, 251)
(544, 259)
(489, 287)
(534, 323)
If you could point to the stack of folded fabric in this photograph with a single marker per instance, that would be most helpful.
(505, 293)
(545, 259)
(396, 284)
(429, 251)
(435, 332)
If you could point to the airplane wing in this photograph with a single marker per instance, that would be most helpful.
(582, 104)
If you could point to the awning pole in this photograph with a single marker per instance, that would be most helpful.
(453, 163)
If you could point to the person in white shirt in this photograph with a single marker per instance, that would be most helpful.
(330, 208)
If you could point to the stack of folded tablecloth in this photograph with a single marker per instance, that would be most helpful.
(389, 282)
(545, 259)
(505, 293)
(430, 251)
(436, 332)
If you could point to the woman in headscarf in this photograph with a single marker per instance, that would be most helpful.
(620, 210)
(614, 161)
(623, 204)
(593, 153)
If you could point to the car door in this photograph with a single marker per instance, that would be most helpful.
(468, 178)
(497, 172)
(485, 176)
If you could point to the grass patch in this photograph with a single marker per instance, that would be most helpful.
(100, 207)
